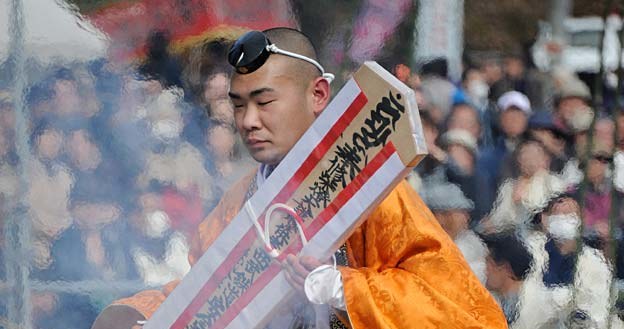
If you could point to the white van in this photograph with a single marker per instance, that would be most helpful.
(580, 53)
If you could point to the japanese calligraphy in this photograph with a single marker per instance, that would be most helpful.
(253, 262)
(350, 158)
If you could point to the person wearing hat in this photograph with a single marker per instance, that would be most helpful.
(514, 112)
(572, 111)
(452, 210)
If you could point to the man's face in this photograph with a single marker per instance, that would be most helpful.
(513, 122)
(464, 117)
(568, 108)
(561, 206)
(532, 159)
(597, 169)
(49, 144)
(272, 109)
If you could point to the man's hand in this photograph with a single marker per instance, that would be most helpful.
(297, 269)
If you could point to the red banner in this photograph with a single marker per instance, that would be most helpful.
(129, 23)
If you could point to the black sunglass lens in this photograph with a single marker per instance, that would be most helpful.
(249, 52)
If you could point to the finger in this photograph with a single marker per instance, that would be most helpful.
(289, 279)
(298, 269)
(299, 281)
(295, 276)
(309, 263)
(294, 281)
(290, 258)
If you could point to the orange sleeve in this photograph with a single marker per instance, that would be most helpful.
(405, 272)
(212, 226)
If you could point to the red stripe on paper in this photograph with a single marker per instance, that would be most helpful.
(289, 188)
(319, 151)
(324, 217)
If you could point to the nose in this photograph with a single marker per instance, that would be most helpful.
(251, 118)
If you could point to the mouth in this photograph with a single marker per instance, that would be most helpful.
(254, 142)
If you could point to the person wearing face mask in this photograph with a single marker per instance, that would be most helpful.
(476, 87)
(578, 275)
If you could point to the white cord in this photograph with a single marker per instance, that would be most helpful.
(265, 234)
(274, 49)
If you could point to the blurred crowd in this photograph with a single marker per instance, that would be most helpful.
(525, 173)
(124, 163)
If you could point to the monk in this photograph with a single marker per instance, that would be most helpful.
(399, 269)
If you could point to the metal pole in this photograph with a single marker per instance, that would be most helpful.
(614, 212)
(17, 229)
(559, 11)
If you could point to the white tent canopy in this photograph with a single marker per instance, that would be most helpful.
(53, 32)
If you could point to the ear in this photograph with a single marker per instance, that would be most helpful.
(320, 95)
(509, 272)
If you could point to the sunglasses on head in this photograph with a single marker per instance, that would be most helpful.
(252, 50)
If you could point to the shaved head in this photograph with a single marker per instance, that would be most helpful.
(295, 41)
(278, 101)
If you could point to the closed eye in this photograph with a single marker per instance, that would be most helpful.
(265, 103)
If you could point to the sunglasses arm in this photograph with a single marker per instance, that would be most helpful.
(274, 49)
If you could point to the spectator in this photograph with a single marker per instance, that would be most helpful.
(583, 280)
(529, 190)
(507, 266)
(466, 117)
(49, 194)
(477, 89)
(513, 119)
(452, 209)
(598, 195)
(456, 167)
(572, 109)
(542, 128)
(515, 110)
(437, 89)
(461, 148)
(527, 80)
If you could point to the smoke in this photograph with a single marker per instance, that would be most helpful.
(121, 155)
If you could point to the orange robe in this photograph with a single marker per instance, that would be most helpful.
(404, 270)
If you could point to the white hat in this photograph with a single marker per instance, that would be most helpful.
(514, 99)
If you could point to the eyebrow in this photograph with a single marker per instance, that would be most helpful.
(254, 93)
